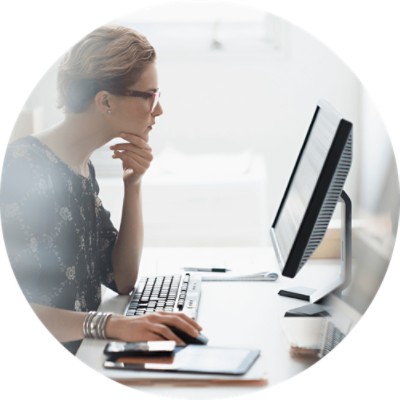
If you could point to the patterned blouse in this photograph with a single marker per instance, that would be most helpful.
(58, 236)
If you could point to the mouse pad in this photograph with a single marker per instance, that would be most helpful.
(192, 359)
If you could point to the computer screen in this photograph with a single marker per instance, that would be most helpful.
(313, 190)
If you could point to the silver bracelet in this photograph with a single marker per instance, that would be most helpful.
(101, 327)
(94, 325)
(86, 324)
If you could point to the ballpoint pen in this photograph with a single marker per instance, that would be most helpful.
(206, 269)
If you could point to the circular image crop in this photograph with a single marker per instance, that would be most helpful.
(199, 195)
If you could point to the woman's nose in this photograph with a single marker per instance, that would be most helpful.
(158, 110)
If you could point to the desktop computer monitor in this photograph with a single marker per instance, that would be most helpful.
(314, 188)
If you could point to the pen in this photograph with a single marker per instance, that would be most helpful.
(206, 269)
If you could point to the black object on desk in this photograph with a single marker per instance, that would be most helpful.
(309, 310)
(159, 348)
(200, 339)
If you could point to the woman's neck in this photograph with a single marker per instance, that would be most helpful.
(74, 140)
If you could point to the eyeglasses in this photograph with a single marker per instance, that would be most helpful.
(155, 96)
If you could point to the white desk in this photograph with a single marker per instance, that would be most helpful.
(245, 314)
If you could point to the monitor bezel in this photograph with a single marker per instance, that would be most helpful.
(292, 265)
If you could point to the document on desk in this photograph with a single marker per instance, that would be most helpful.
(228, 277)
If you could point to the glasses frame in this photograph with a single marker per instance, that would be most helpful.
(154, 96)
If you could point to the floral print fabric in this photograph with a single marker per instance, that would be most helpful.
(58, 236)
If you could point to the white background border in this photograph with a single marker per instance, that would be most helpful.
(364, 34)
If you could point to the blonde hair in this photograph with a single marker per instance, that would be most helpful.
(109, 58)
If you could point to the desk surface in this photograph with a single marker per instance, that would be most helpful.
(238, 314)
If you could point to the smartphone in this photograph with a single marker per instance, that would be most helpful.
(147, 349)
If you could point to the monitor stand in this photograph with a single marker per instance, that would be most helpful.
(312, 295)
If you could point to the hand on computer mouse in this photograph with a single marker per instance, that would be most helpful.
(199, 339)
(155, 326)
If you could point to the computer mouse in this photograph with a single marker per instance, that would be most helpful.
(200, 339)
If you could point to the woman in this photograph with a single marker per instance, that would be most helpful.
(59, 238)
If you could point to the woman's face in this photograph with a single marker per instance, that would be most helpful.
(131, 114)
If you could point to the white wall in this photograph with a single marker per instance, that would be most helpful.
(252, 95)
(256, 94)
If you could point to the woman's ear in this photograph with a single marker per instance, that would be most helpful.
(102, 102)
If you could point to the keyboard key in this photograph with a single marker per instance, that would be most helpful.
(164, 293)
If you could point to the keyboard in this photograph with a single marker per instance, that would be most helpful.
(174, 293)
(331, 337)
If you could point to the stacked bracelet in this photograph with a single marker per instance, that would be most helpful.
(94, 325)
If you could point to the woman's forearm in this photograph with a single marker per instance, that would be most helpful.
(65, 325)
(68, 326)
(128, 246)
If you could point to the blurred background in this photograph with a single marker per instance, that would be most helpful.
(239, 89)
